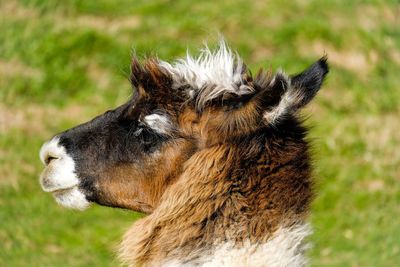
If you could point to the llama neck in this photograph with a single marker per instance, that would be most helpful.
(226, 200)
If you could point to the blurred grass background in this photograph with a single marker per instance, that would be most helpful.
(62, 62)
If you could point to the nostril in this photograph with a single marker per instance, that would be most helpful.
(49, 158)
(50, 151)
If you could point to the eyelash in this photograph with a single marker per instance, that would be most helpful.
(138, 132)
(139, 129)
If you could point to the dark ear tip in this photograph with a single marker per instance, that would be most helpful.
(323, 64)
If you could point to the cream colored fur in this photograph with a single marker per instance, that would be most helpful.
(285, 248)
(211, 74)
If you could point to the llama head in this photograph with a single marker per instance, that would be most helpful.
(128, 156)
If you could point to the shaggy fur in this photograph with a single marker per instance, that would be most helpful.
(285, 248)
(210, 75)
(217, 158)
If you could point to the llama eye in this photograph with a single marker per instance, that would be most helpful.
(148, 139)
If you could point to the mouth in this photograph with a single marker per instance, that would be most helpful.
(67, 195)
(59, 177)
(54, 187)
(62, 190)
(64, 186)
(50, 183)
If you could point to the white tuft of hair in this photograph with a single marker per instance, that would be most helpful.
(286, 248)
(211, 74)
(159, 123)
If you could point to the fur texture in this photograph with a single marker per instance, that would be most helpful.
(216, 158)
(285, 248)
(210, 75)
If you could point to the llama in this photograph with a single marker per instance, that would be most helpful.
(217, 158)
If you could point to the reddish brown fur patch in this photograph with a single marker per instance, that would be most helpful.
(140, 189)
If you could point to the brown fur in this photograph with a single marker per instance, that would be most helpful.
(218, 198)
(129, 187)
(222, 172)
(244, 180)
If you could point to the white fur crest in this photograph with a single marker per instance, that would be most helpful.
(286, 248)
(211, 74)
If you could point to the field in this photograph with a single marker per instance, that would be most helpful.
(63, 62)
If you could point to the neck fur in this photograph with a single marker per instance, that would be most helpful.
(229, 207)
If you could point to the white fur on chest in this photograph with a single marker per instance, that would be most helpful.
(286, 248)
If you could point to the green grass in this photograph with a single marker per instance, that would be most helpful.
(62, 62)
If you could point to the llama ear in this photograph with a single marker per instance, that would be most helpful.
(309, 81)
(294, 92)
(148, 77)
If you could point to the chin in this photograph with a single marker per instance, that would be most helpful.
(72, 198)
